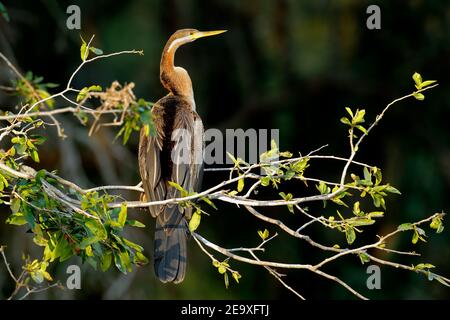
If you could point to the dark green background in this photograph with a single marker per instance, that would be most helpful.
(292, 65)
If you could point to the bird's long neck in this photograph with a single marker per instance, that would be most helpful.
(175, 79)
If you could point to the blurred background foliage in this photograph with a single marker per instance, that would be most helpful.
(285, 64)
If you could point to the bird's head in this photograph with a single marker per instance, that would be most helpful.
(184, 36)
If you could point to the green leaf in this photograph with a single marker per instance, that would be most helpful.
(15, 205)
(362, 129)
(222, 269)
(37, 139)
(405, 227)
(34, 155)
(95, 87)
(286, 154)
(40, 240)
(122, 261)
(133, 245)
(415, 237)
(236, 276)
(97, 229)
(83, 52)
(350, 234)
(426, 84)
(89, 252)
(135, 223)
(300, 166)
(195, 221)
(417, 78)
(436, 224)
(62, 250)
(288, 197)
(376, 214)
(359, 117)
(225, 277)
(240, 185)
(20, 148)
(323, 188)
(177, 186)
(391, 189)
(349, 111)
(16, 219)
(208, 201)
(122, 215)
(346, 121)
(28, 216)
(265, 181)
(263, 234)
(361, 222)
(97, 51)
(84, 92)
(419, 96)
(88, 241)
(363, 257)
(139, 259)
(367, 175)
(105, 261)
(356, 209)
(422, 266)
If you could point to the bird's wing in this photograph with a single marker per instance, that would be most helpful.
(185, 160)
(187, 155)
(150, 148)
(198, 141)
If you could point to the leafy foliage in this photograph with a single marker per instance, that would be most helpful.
(32, 90)
(139, 116)
(62, 233)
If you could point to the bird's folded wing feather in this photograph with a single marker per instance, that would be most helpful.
(186, 157)
(150, 148)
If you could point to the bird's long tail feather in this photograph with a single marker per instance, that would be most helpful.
(170, 252)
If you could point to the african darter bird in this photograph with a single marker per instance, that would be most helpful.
(175, 154)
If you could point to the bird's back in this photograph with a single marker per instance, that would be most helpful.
(174, 154)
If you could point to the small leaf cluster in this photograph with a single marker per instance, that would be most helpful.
(355, 121)
(37, 270)
(138, 116)
(24, 145)
(195, 220)
(83, 54)
(419, 233)
(274, 173)
(84, 93)
(420, 85)
(32, 89)
(371, 184)
(63, 233)
(349, 226)
(223, 268)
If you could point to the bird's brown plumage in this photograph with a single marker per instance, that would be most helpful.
(176, 125)
(175, 154)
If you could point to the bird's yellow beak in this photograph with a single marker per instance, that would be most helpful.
(202, 34)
